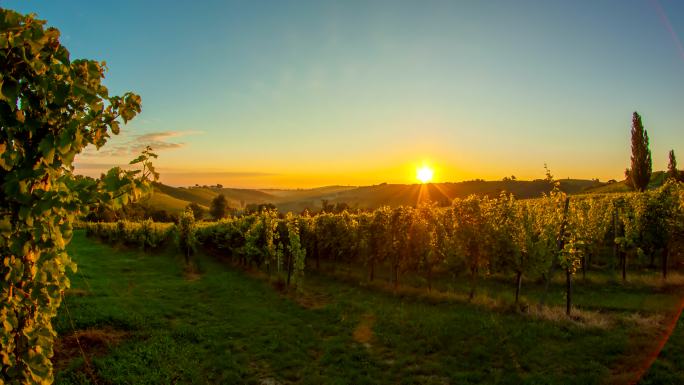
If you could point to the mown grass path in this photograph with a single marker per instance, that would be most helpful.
(225, 327)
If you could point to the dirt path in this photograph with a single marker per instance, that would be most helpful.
(363, 333)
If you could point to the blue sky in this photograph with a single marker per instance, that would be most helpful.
(309, 93)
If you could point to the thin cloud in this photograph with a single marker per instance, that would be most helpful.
(219, 174)
(176, 177)
(159, 141)
(159, 136)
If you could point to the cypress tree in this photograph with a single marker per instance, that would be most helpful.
(672, 171)
(640, 173)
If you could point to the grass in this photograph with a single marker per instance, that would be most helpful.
(161, 201)
(668, 368)
(141, 320)
(199, 195)
(602, 290)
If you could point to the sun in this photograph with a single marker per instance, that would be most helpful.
(424, 174)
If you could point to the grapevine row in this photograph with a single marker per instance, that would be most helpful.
(475, 236)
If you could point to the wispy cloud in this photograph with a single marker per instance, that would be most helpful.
(127, 146)
(176, 177)
(219, 174)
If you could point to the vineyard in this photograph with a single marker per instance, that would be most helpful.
(474, 238)
(543, 281)
(362, 296)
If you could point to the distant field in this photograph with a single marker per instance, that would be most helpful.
(141, 320)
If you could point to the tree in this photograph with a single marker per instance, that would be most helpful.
(672, 172)
(640, 173)
(197, 210)
(254, 208)
(51, 108)
(326, 206)
(628, 178)
(219, 206)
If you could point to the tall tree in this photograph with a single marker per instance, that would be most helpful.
(218, 207)
(640, 173)
(672, 172)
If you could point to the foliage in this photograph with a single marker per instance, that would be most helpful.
(672, 171)
(131, 212)
(640, 172)
(473, 234)
(295, 249)
(51, 108)
(186, 234)
(197, 210)
(218, 208)
(474, 237)
(146, 235)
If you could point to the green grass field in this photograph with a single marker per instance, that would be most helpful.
(140, 319)
(669, 367)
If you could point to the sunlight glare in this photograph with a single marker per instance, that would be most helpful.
(424, 174)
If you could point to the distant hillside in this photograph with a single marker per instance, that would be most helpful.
(608, 188)
(400, 194)
(657, 180)
(301, 199)
(246, 196)
(162, 201)
(199, 195)
(302, 194)
(175, 199)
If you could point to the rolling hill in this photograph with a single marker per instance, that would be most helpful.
(175, 199)
(657, 179)
(401, 194)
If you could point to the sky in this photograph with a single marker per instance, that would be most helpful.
(297, 94)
